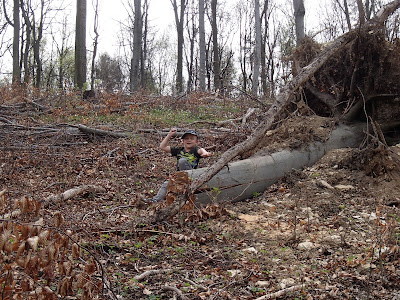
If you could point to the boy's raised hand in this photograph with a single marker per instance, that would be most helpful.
(205, 153)
(172, 132)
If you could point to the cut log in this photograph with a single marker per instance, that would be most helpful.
(242, 179)
(287, 92)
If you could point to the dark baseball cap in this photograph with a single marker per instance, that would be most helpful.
(192, 132)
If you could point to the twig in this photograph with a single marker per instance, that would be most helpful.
(282, 292)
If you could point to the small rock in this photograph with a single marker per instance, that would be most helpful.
(306, 246)
(250, 249)
(287, 282)
(262, 283)
(333, 239)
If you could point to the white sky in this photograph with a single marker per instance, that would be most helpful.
(161, 15)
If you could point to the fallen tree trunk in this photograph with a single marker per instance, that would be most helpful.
(242, 179)
(287, 93)
(68, 194)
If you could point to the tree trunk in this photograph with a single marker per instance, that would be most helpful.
(36, 46)
(242, 179)
(347, 14)
(299, 12)
(286, 94)
(217, 64)
(202, 47)
(143, 56)
(192, 32)
(95, 43)
(137, 47)
(16, 66)
(257, 48)
(179, 18)
(263, 57)
(80, 44)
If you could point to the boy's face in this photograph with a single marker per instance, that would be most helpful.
(190, 141)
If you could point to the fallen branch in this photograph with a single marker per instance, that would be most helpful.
(73, 193)
(242, 119)
(101, 132)
(287, 93)
(282, 292)
(175, 290)
(196, 285)
(151, 272)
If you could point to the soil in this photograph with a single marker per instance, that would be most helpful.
(330, 231)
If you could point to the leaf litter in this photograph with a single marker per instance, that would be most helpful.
(324, 232)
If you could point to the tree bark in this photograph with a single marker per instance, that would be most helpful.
(257, 48)
(37, 39)
(16, 66)
(80, 44)
(179, 19)
(95, 43)
(299, 12)
(137, 47)
(242, 179)
(283, 98)
(202, 48)
(217, 64)
(347, 14)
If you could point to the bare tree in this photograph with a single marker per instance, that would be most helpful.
(64, 54)
(217, 63)
(37, 39)
(179, 21)
(95, 42)
(299, 12)
(257, 48)
(144, 73)
(80, 44)
(16, 66)
(202, 47)
(192, 30)
(244, 41)
(137, 48)
(347, 14)
(361, 12)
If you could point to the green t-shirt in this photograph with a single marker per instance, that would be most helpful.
(192, 156)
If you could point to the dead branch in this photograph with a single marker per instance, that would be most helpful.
(287, 93)
(151, 272)
(101, 132)
(175, 290)
(71, 193)
(282, 292)
(197, 286)
(242, 119)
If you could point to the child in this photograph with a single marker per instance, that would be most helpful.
(188, 156)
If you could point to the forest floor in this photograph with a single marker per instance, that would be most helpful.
(330, 231)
